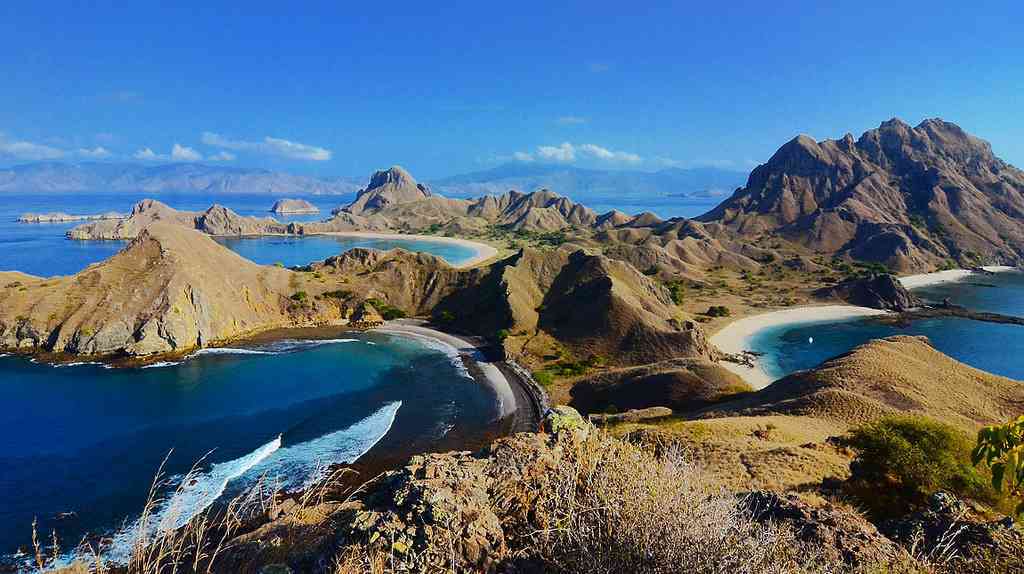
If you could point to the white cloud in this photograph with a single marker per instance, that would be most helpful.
(573, 120)
(28, 150)
(183, 153)
(98, 152)
(522, 156)
(563, 153)
(222, 156)
(270, 146)
(609, 155)
(146, 154)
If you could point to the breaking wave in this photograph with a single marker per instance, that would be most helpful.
(292, 467)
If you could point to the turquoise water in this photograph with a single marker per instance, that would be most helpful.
(992, 347)
(292, 251)
(42, 249)
(88, 439)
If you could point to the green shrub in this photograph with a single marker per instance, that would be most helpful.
(678, 291)
(502, 334)
(299, 296)
(338, 294)
(543, 378)
(1001, 448)
(388, 312)
(446, 316)
(718, 311)
(902, 460)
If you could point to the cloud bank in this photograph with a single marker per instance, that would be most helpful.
(270, 146)
(568, 152)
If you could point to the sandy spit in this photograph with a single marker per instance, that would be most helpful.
(492, 376)
(483, 251)
(923, 279)
(736, 336)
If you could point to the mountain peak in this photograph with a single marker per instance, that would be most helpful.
(388, 187)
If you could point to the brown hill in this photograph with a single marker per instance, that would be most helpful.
(911, 198)
(900, 374)
(170, 290)
(217, 220)
(388, 187)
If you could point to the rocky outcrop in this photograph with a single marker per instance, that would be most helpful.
(840, 531)
(948, 527)
(293, 207)
(909, 197)
(878, 291)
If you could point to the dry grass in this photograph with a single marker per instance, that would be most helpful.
(612, 507)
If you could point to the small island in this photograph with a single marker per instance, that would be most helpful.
(293, 207)
(60, 217)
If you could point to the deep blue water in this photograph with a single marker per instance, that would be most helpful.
(88, 439)
(989, 346)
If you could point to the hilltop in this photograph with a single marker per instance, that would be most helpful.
(911, 198)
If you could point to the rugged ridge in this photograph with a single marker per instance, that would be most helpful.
(912, 198)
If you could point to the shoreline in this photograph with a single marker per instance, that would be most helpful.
(491, 375)
(483, 251)
(949, 276)
(735, 337)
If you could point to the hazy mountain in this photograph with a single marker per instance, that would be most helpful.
(580, 183)
(180, 177)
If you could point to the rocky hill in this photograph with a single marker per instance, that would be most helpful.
(217, 220)
(169, 290)
(912, 198)
(293, 206)
(895, 375)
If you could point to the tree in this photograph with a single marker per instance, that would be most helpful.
(1001, 447)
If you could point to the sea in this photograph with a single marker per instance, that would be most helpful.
(80, 443)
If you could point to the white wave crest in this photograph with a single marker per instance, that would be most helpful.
(188, 501)
(299, 465)
(160, 364)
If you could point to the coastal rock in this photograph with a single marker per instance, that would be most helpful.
(294, 206)
(911, 198)
(879, 291)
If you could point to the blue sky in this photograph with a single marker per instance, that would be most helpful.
(442, 88)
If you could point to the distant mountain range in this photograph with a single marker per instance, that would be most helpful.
(57, 177)
(705, 182)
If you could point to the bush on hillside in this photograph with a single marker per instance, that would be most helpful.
(902, 460)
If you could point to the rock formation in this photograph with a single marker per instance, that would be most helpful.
(910, 198)
(217, 220)
(293, 207)
(880, 291)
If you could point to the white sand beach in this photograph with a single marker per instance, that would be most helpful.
(735, 337)
(484, 252)
(923, 279)
(492, 376)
